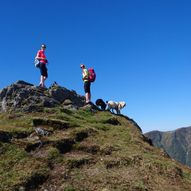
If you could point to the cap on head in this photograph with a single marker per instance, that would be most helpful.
(82, 66)
(43, 46)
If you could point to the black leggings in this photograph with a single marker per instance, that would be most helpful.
(87, 87)
(43, 70)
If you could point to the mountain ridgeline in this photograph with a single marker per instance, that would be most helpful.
(176, 143)
(50, 140)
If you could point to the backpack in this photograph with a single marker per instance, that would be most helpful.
(37, 63)
(92, 75)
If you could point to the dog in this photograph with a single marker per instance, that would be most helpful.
(117, 106)
(101, 103)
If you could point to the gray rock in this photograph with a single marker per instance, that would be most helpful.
(49, 102)
(70, 107)
(67, 102)
(23, 83)
(25, 97)
(61, 94)
(41, 132)
(4, 105)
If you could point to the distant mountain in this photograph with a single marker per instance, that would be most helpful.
(176, 143)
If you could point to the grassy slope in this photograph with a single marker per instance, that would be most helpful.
(85, 151)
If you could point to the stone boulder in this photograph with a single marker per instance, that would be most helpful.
(62, 94)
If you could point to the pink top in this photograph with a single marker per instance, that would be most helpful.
(42, 55)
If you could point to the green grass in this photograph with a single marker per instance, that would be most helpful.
(140, 185)
(70, 188)
(53, 153)
(16, 167)
(103, 156)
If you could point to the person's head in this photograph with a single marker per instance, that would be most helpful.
(82, 66)
(43, 46)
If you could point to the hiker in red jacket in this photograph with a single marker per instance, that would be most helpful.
(43, 62)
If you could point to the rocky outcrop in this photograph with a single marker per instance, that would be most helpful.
(25, 97)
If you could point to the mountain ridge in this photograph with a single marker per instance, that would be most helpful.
(176, 143)
(64, 145)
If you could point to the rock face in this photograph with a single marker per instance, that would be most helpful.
(176, 143)
(25, 97)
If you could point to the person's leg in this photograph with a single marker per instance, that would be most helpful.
(41, 81)
(87, 91)
(43, 78)
(87, 97)
(44, 75)
(41, 75)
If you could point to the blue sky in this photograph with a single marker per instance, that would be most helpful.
(140, 50)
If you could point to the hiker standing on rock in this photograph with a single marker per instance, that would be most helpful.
(43, 62)
(87, 83)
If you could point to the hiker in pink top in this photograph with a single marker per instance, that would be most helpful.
(43, 62)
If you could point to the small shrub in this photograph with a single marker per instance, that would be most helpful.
(140, 186)
(70, 188)
(53, 154)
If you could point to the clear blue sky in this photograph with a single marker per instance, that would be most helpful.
(140, 49)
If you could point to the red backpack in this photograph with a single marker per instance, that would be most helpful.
(92, 75)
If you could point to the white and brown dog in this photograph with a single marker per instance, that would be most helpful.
(117, 106)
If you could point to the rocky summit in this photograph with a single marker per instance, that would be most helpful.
(50, 141)
(25, 97)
